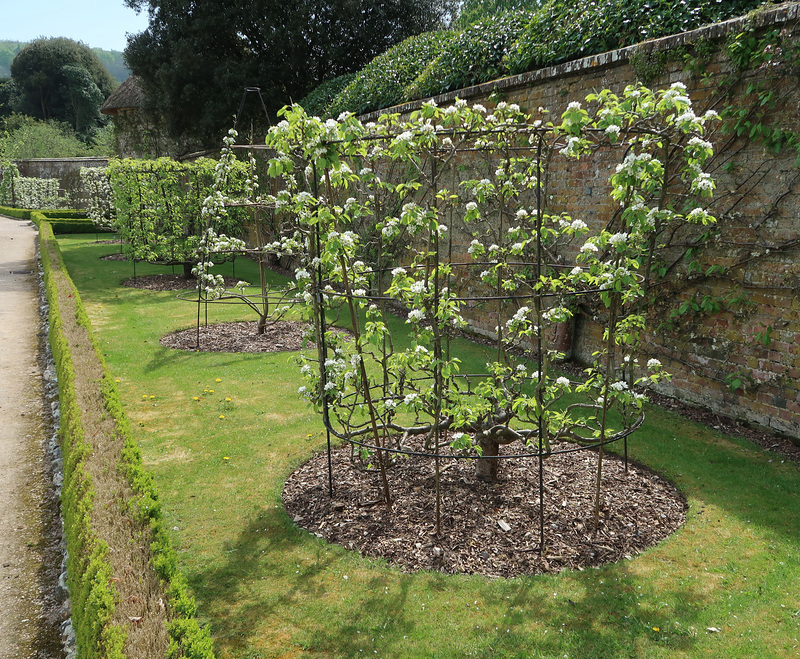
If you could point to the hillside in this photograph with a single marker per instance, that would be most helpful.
(112, 59)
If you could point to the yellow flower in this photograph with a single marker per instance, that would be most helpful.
(195, 397)
(228, 400)
(219, 380)
(117, 380)
(656, 629)
(152, 396)
(221, 416)
(226, 458)
(211, 391)
(144, 395)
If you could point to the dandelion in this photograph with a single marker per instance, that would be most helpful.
(195, 397)
(218, 380)
(221, 416)
(227, 400)
(226, 458)
(152, 396)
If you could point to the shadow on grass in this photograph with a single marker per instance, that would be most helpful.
(279, 590)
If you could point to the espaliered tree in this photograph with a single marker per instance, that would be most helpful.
(158, 206)
(387, 399)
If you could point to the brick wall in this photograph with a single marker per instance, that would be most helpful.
(754, 339)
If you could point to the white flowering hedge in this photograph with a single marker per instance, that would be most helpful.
(357, 192)
(38, 193)
(98, 195)
(8, 172)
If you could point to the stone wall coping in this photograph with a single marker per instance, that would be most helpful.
(781, 14)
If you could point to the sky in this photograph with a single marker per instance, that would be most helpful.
(97, 23)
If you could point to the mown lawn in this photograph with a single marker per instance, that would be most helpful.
(269, 589)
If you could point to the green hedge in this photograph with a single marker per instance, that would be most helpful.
(20, 213)
(63, 222)
(89, 573)
(516, 42)
(384, 80)
(561, 31)
(471, 57)
(319, 100)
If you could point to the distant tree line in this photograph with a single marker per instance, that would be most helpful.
(50, 106)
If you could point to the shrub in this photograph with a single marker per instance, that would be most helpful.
(317, 102)
(562, 31)
(383, 81)
(473, 56)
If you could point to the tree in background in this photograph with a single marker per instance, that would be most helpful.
(64, 80)
(197, 56)
(7, 94)
(23, 137)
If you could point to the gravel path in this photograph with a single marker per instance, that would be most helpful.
(24, 516)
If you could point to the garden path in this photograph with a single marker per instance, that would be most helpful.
(24, 513)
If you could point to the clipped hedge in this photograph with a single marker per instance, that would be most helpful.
(72, 222)
(519, 41)
(561, 31)
(383, 81)
(89, 573)
(318, 101)
(473, 56)
(20, 213)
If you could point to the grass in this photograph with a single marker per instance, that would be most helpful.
(269, 589)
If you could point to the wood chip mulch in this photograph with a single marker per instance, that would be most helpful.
(118, 256)
(167, 282)
(279, 336)
(487, 528)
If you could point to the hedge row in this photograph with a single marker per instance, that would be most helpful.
(89, 573)
(61, 221)
(77, 224)
(516, 42)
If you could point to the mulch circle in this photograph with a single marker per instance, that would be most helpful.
(490, 529)
(118, 256)
(167, 282)
(278, 336)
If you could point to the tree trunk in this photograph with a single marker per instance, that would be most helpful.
(187, 270)
(486, 467)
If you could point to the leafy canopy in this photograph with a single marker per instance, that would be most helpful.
(61, 79)
(196, 58)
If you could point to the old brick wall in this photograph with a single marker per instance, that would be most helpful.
(737, 353)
